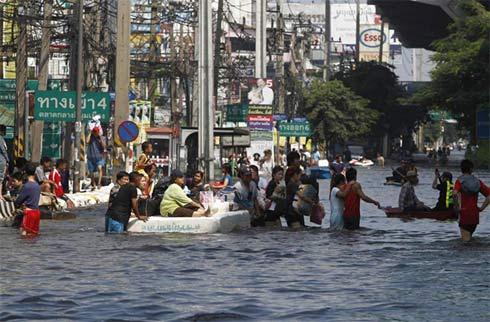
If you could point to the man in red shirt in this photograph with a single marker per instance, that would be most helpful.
(466, 190)
(352, 202)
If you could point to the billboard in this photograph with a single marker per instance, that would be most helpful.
(370, 40)
(343, 19)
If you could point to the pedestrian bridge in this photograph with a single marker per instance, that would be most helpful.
(418, 22)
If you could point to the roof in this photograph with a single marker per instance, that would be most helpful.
(159, 130)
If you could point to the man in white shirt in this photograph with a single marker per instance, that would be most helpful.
(267, 92)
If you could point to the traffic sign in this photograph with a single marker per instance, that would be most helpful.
(292, 129)
(128, 131)
(52, 140)
(58, 106)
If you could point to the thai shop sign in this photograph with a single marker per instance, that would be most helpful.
(56, 106)
(260, 110)
(236, 112)
(291, 129)
(260, 122)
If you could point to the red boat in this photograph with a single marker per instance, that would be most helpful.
(437, 215)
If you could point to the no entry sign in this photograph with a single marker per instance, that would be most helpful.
(128, 131)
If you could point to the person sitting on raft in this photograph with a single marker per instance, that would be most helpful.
(227, 181)
(176, 203)
(16, 185)
(399, 173)
(408, 201)
(445, 186)
(246, 193)
(125, 200)
(196, 186)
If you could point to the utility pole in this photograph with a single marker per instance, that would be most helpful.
(173, 98)
(326, 45)
(152, 83)
(1, 42)
(260, 39)
(217, 50)
(382, 40)
(279, 72)
(121, 112)
(280, 58)
(37, 126)
(21, 82)
(78, 115)
(69, 126)
(206, 113)
(358, 31)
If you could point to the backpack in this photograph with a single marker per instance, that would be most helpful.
(160, 188)
(470, 184)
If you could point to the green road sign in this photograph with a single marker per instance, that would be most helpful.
(60, 106)
(8, 96)
(236, 112)
(52, 140)
(292, 129)
(32, 84)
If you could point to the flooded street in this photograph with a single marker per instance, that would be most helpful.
(390, 270)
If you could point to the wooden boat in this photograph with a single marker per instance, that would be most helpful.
(393, 183)
(437, 215)
(219, 223)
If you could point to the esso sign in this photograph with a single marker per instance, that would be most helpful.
(372, 38)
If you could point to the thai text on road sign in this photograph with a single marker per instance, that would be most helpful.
(294, 129)
(60, 106)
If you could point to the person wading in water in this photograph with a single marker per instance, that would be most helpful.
(352, 211)
(465, 192)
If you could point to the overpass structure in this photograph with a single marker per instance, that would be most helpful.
(418, 22)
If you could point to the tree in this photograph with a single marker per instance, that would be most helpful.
(460, 80)
(337, 114)
(377, 83)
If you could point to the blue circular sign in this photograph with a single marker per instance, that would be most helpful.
(128, 131)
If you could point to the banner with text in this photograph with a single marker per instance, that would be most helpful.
(260, 117)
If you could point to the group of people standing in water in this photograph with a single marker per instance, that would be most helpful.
(267, 192)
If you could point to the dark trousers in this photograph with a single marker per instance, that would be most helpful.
(352, 223)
